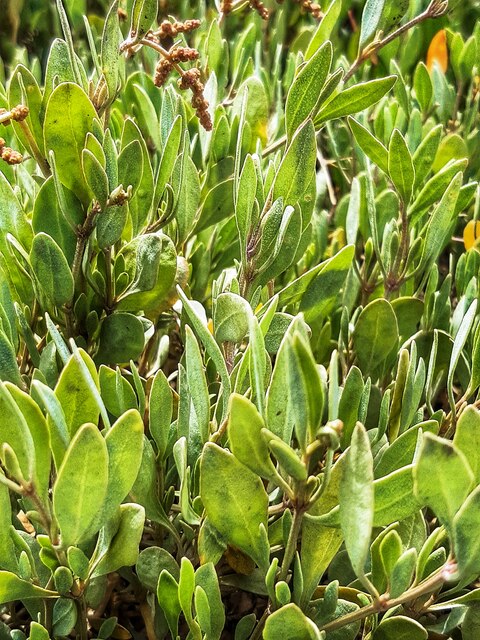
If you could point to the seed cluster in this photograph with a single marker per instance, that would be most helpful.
(260, 8)
(171, 29)
(18, 113)
(173, 57)
(8, 154)
(311, 7)
(191, 80)
(226, 6)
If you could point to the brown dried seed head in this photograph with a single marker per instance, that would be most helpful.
(191, 80)
(19, 113)
(171, 29)
(205, 120)
(260, 8)
(11, 156)
(166, 30)
(183, 54)
(311, 7)
(187, 26)
(226, 6)
(162, 72)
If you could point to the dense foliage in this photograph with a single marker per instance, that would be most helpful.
(239, 334)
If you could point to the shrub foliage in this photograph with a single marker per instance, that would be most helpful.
(239, 336)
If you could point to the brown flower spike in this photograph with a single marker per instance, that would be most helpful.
(9, 155)
(191, 80)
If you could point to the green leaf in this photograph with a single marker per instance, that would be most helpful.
(357, 500)
(302, 98)
(9, 371)
(401, 452)
(403, 572)
(122, 338)
(123, 548)
(151, 562)
(152, 261)
(8, 559)
(186, 589)
(14, 588)
(95, 177)
(349, 405)
(38, 632)
(68, 118)
(393, 497)
(75, 395)
(322, 292)
(258, 363)
(64, 616)
(355, 99)
(439, 224)
(423, 87)
(81, 486)
(160, 411)
(125, 448)
(40, 435)
(211, 347)
(130, 165)
(144, 490)
(51, 270)
(425, 154)
(369, 144)
(245, 426)
(434, 190)
(109, 55)
(244, 197)
(167, 162)
(24, 89)
(400, 628)
(117, 393)
(458, 344)
(375, 336)
(235, 500)
(295, 171)
(306, 391)
(197, 384)
(466, 543)
(59, 436)
(290, 623)
(14, 431)
(325, 28)
(144, 13)
(287, 458)
(206, 579)
(231, 317)
(167, 595)
(467, 438)
(400, 166)
(442, 478)
(372, 13)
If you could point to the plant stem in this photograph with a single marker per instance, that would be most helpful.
(108, 280)
(434, 10)
(257, 632)
(274, 146)
(36, 153)
(395, 278)
(83, 233)
(292, 542)
(82, 622)
(384, 603)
